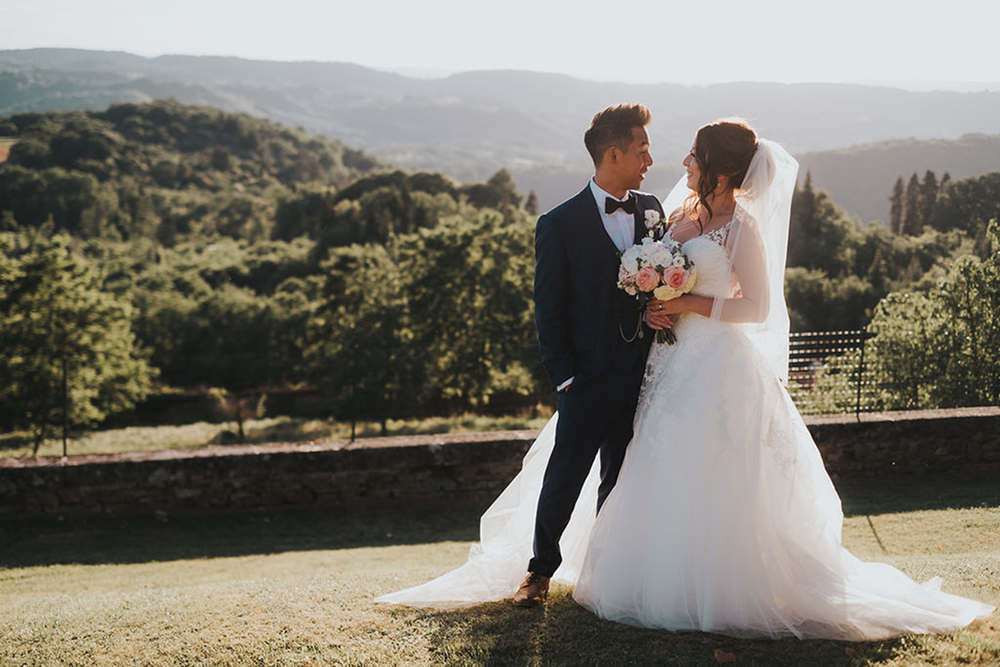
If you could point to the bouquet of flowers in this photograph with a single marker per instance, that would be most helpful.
(656, 269)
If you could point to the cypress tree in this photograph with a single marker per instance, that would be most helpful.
(911, 211)
(928, 197)
(896, 207)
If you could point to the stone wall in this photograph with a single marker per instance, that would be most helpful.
(459, 467)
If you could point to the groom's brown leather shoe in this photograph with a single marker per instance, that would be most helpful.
(533, 591)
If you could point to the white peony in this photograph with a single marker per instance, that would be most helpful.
(663, 257)
(630, 259)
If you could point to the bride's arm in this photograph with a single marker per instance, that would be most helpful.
(750, 267)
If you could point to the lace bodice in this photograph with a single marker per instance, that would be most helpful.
(711, 261)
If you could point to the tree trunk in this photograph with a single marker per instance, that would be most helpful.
(65, 391)
(239, 422)
(39, 437)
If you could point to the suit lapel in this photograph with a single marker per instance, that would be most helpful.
(640, 221)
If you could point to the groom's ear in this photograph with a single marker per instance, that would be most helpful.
(612, 155)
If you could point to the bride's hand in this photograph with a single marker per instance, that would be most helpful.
(686, 303)
(656, 316)
(672, 307)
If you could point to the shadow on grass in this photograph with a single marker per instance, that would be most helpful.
(13, 441)
(910, 493)
(563, 632)
(148, 538)
(140, 539)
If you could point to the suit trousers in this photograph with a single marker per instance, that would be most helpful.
(595, 416)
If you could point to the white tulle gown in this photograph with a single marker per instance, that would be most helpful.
(723, 518)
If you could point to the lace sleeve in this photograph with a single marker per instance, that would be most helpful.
(748, 261)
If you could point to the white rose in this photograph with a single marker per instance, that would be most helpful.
(652, 219)
(630, 259)
(678, 261)
(663, 257)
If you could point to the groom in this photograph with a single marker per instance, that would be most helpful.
(592, 340)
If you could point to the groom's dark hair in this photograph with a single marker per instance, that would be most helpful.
(613, 127)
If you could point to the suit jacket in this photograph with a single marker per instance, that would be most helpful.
(581, 316)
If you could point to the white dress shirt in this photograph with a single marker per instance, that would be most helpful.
(619, 225)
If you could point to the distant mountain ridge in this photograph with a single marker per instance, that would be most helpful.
(470, 124)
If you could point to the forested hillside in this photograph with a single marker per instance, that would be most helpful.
(858, 177)
(162, 170)
(184, 246)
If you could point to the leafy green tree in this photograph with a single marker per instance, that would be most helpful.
(942, 348)
(498, 192)
(968, 204)
(817, 231)
(70, 357)
(359, 344)
(531, 203)
(471, 290)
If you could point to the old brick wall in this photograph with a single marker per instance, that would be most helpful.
(459, 467)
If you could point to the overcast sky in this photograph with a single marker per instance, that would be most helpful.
(638, 41)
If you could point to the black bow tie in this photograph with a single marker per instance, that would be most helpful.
(611, 205)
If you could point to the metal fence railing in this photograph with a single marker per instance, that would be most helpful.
(827, 373)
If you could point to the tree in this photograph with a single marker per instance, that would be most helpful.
(498, 192)
(358, 345)
(817, 231)
(912, 214)
(472, 304)
(942, 349)
(968, 203)
(69, 354)
(896, 207)
(928, 197)
(531, 204)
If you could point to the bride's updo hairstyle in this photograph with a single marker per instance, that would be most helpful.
(723, 148)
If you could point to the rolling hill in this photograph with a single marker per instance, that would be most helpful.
(470, 124)
(860, 178)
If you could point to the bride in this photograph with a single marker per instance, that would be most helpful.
(723, 518)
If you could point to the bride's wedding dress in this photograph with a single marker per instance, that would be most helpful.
(723, 518)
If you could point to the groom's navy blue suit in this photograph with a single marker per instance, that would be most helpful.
(583, 323)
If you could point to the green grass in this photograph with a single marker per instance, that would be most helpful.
(274, 429)
(296, 587)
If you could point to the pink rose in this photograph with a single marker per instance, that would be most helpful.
(675, 277)
(648, 279)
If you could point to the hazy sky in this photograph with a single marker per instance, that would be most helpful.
(636, 41)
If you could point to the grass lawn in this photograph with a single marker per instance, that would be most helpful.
(273, 429)
(296, 587)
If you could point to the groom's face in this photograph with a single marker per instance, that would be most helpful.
(635, 160)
